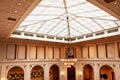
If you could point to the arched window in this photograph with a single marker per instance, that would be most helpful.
(88, 73)
(15, 73)
(106, 73)
(37, 73)
(54, 72)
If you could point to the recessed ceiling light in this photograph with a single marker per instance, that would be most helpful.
(15, 11)
(115, 2)
(19, 4)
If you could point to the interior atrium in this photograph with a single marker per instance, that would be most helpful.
(59, 39)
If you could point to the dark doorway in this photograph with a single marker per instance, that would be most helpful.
(71, 73)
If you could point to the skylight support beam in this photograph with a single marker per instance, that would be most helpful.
(65, 6)
(53, 27)
(117, 24)
(76, 30)
(40, 27)
(97, 23)
(61, 31)
(84, 26)
(91, 17)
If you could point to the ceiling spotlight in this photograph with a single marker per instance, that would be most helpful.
(19, 4)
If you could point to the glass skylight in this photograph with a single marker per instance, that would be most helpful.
(49, 18)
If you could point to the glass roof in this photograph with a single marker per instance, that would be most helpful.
(49, 18)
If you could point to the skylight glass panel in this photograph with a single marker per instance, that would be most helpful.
(36, 10)
(32, 25)
(64, 33)
(96, 14)
(83, 8)
(106, 23)
(92, 14)
(89, 24)
(107, 17)
(48, 26)
(90, 6)
(72, 3)
(30, 18)
(49, 10)
(58, 28)
(42, 30)
(44, 14)
(20, 28)
(51, 26)
(24, 23)
(79, 27)
(74, 32)
(118, 23)
(54, 3)
(32, 28)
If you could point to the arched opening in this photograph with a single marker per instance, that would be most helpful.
(37, 73)
(88, 73)
(71, 73)
(15, 73)
(54, 72)
(107, 73)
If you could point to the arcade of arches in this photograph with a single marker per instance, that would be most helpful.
(37, 73)
(35, 60)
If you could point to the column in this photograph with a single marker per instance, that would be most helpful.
(3, 72)
(27, 73)
(96, 72)
(46, 72)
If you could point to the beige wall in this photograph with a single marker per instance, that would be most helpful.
(99, 51)
(16, 51)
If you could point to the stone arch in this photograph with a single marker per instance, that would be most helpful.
(54, 72)
(107, 73)
(88, 73)
(37, 73)
(15, 73)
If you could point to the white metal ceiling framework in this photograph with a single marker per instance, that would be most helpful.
(47, 21)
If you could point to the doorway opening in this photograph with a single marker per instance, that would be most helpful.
(71, 73)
